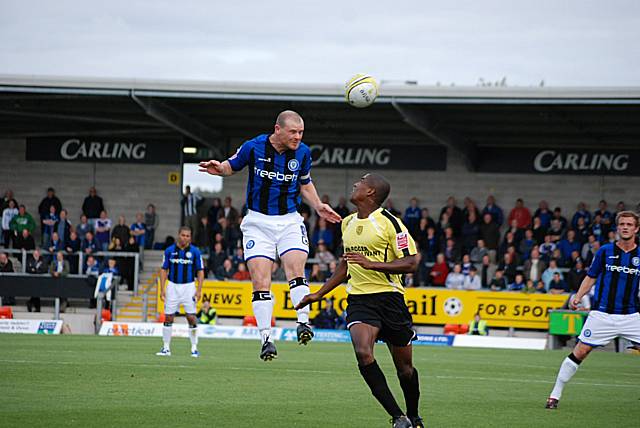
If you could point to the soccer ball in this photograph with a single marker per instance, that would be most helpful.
(361, 90)
(452, 306)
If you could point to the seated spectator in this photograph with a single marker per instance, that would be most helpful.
(324, 256)
(499, 282)
(511, 250)
(547, 275)
(111, 267)
(103, 230)
(121, 230)
(581, 213)
(605, 215)
(466, 264)
(59, 267)
(427, 242)
(84, 226)
(316, 274)
(508, 241)
(439, 272)
(151, 221)
(576, 275)
(115, 244)
(207, 314)
(534, 267)
(322, 232)
(547, 248)
(477, 326)
(472, 281)
(451, 252)
(557, 215)
(55, 243)
(494, 211)
(518, 283)
(49, 221)
(509, 266)
(92, 268)
(558, 285)
(527, 244)
(582, 231)
(409, 280)
(25, 241)
(470, 231)
(226, 271)
(217, 258)
(36, 265)
(455, 279)
(21, 222)
(486, 270)
(327, 318)
(530, 288)
(569, 245)
(478, 252)
(556, 231)
(7, 215)
(597, 229)
(277, 273)
(242, 274)
(587, 247)
(238, 257)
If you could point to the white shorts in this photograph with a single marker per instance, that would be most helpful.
(180, 294)
(272, 235)
(601, 328)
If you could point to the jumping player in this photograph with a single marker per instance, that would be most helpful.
(615, 271)
(279, 172)
(182, 265)
(378, 251)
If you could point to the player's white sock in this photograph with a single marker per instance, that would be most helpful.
(567, 370)
(299, 288)
(193, 335)
(262, 310)
(166, 335)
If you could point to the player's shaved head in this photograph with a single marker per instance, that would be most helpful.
(288, 116)
(380, 185)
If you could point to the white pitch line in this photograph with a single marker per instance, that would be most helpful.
(616, 385)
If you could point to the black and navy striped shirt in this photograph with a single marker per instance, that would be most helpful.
(183, 264)
(274, 178)
(618, 274)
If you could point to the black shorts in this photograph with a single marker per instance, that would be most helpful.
(387, 311)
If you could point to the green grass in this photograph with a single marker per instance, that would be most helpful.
(113, 381)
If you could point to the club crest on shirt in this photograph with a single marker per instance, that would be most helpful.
(587, 333)
(293, 165)
(402, 240)
(635, 261)
(359, 230)
(250, 244)
(188, 254)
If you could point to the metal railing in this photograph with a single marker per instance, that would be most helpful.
(81, 257)
(145, 294)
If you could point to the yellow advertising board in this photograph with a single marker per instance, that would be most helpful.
(427, 305)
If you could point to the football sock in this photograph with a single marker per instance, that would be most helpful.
(567, 370)
(299, 288)
(193, 335)
(262, 310)
(379, 388)
(411, 390)
(166, 335)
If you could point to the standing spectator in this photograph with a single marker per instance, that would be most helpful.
(427, 242)
(139, 230)
(527, 244)
(499, 282)
(323, 233)
(25, 241)
(455, 279)
(121, 230)
(534, 267)
(63, 226)
(36, 265)
(128, 264)
(411, 217)
(547, 248)
(103, 230)
(597, 228)
(569, 245)
(230, 213)
(6, 267)
(48, 223)
(470, 205)
(51, 200)
(8, 196)
(548, 274)
(538, 229)
(439, 271)
(557, 215)
(92, 206)
(581, 212)
(558, 285)
(456, 218)
(7, 215)
(84, 226)
(582, 230)
(486, 271)
(213, 213)
(424, 215)
(494, 211)
(576, 275)
(21, 222)
(490, 232)
(520, 214)
(216, 258)
(226, 271)
(556, 231)
(509, 266)
(472, 281)
(389, 207)
(470, 231)
(151, 221)
(606, 217)
(518, 233)
(204, 236)
(72, 247)
(59, 267)
(190, 203)
(544, 214)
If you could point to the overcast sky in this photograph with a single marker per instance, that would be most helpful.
(566, 43)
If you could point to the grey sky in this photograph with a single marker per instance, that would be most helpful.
(566, 43)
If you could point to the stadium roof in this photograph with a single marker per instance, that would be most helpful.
(463, 119)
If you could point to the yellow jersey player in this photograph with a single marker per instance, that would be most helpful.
(378, 251)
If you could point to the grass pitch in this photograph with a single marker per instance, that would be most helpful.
(84, 381)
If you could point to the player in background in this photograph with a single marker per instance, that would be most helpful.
(182, 267)
(615, 271)
(378, 251)
(279, 173)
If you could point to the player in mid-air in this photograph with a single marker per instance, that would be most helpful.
(279, 173)
(615, 271)
(182, 267)
(378, 251)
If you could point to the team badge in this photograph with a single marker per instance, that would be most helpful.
(402, 241)
(635, 261)
(293, 164)
(359, 230)
(188, 254)
(250, 244)
(587, 333)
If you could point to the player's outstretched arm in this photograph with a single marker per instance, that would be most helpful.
(585, 287)
(310, 193)
(338, 277)
(215, 167)
(406, 264)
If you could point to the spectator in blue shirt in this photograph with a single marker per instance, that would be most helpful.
(139, 230)
(518, 284)
(63, 227)
(605, 215)
(496, 212)
(322, 232)
(558, 285)
(581, 213)
(597, 228)
(412, 216)
(48, 225)
(544, 214)
(89, 244)
(569, 245)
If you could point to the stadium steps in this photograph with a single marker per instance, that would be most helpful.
(131, 305)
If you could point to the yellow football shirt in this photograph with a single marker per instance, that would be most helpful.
(381, 237)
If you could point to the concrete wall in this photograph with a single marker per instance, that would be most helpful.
(124, 188)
